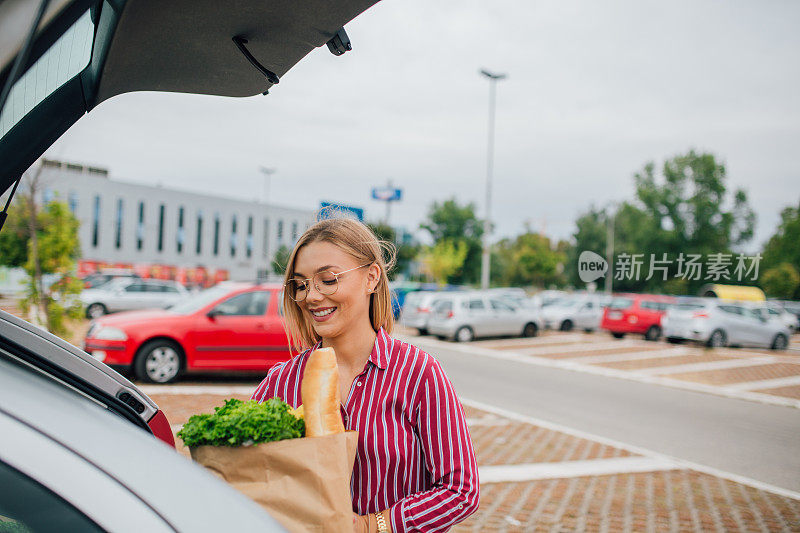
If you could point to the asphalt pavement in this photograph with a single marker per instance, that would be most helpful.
(741, 437)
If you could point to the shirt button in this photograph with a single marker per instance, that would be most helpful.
(358, 383)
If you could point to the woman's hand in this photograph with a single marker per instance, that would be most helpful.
(360, 523)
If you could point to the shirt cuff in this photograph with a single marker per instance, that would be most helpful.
(396, 517)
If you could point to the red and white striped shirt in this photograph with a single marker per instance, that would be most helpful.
(414, 454)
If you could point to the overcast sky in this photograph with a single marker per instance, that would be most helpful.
(594, 90)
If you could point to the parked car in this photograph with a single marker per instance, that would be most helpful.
(231, 326)
(469, 315)
(575, 312)
(129, 294)
(793, 308)
(95, 279)
(722, 323)
(82, 450)
(777, 311)
(638, 314)
(417, 310)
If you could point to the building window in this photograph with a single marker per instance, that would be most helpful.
(280, 231)
(233, 236)
(73, 202)
(216, 233)
(118, 225)
(294, 231)
(249, 241)
(140, 227)
(161, 213)
(199, 245)
(180, 234)
(265, 251)
(47, 195)
(96, 221)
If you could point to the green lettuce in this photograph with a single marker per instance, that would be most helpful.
(239, 423)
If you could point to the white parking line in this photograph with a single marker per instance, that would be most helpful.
(766, 383)
(703, 367)
(632, 356)
(567, 469)
(633, 449)
(576, 348)
(222, 390)
(569, 338)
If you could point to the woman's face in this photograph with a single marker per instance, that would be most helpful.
(331, 315)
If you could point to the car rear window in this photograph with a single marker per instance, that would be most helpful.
(688, 307)
(444, 306)
(620, 303)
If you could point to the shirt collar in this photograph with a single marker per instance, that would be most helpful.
(380, 351)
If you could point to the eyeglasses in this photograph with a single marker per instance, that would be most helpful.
(326, 282)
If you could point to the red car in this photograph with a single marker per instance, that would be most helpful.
(636, 313)
(231, 326)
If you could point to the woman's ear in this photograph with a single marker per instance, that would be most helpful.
(373, 277)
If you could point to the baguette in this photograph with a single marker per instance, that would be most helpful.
(320, 394)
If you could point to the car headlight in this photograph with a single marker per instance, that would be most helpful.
(110, 334)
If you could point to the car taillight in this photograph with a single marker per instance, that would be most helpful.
(450, 314)
(699, 314)
(423, 310)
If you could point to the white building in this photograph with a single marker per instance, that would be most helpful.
(125, 222)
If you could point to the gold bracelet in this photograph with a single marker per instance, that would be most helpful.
(381, 523)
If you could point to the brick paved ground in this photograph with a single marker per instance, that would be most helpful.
(671, 500)
(637, 364)
(737, 375)
(788, 392)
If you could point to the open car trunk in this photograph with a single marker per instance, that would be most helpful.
(85, 52)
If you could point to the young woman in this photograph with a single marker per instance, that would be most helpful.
(415, 467)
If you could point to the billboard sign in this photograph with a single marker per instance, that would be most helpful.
(387, 194)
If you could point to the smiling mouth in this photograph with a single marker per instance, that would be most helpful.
(323, 312)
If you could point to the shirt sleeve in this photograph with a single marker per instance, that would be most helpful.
(266, 389)
(449, 460)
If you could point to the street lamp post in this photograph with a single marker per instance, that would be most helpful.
(487, 224)
(268, 172)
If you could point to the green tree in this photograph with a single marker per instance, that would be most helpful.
(281, 259)
(528, 260)
(459, 224)
(784, 246)
(443, 259)
(52, 248)
(14, 236)
(781, 281)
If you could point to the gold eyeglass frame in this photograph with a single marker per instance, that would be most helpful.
(307, 283)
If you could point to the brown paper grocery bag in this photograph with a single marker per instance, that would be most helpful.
(303, 483)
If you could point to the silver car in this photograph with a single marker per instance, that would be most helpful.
(468, 315)
(417, 309)
(79, 441)
(722, 323)
(577, 312)
(131, 294)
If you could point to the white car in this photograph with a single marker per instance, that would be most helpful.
(464, 316)
(577, 312)
(132, 294)
(721, 323)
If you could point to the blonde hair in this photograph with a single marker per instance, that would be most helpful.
(356, 239)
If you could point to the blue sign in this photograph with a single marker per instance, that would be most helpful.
(329, 210)
(387, 194)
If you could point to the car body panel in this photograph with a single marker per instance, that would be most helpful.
(645, 311)
(485, 315)
(584, 312)
(183, 494)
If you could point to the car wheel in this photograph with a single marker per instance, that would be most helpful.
(617, 335)
(465, 334)
(96, 310)
(567, 325)
(158, 361)
(422, 331)
(530, 330)
(780, 342)
(653, 334)
(717, 339)
(588, 330)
